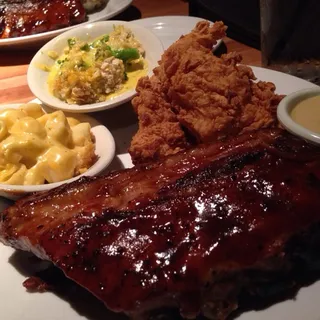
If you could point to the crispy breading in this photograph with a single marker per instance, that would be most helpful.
(165, 138)
(261, 112)
(194, 94)
(209, 107)
(159, 129)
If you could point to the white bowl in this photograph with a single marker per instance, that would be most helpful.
(37, 78)
(284, 114)
(105, 151)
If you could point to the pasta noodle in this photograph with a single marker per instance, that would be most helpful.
(37, 148)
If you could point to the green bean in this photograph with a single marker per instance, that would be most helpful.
(126, 54)
(105, 38)
(100, 41)
(85, 47)
(71, 42)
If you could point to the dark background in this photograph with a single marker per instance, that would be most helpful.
(241, 16)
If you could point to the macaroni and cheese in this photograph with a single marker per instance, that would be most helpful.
(37, 148)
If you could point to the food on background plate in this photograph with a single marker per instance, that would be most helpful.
(193, 232)
(196, 97)
(92, 5)
(26, 17)
(91, 72)
(38, 147)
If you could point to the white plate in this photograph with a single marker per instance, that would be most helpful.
(110, 10)
(105, 150)
(170, 28)
(37, 78)
(17, 304)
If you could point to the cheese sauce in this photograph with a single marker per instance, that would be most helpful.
(307, 113)
(131, 83)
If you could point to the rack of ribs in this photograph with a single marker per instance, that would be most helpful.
(192, 232)
(26, 17)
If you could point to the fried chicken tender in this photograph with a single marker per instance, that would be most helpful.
(195, 96)
(159, 130)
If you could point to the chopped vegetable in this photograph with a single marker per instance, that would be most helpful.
(85, 47)
(71, 42)
(126, 54)
(89, 72)
(62, 61)
(105, 38)
(83, 65)
(100, 41)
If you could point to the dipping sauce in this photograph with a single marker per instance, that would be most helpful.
(307, 113)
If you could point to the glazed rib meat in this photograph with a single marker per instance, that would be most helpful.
(192, 232)
(26, 17)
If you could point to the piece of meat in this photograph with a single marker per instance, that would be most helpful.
(93, 5)
(159, 130)
(212, 98)
(191, 232)
(35, 284)
(26, 17)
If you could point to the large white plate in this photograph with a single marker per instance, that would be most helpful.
(111, 9)
(17, 304)
(170, 28)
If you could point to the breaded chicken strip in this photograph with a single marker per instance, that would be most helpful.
(205, 98)
(159, 130)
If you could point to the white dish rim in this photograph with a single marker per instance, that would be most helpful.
(192, 19)
(285, 107)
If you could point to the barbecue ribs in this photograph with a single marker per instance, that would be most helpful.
(26, 17)
(192, 232)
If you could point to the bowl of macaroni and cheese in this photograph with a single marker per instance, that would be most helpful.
(41, 150)
(93, 67)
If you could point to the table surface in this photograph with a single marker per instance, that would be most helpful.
(14, 64)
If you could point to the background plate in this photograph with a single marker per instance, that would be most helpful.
(111, 9)
(170, 28)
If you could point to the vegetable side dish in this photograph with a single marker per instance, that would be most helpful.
(37, 148)
(93, 72)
